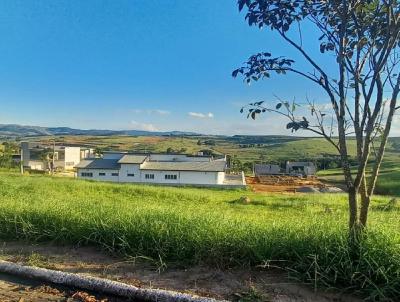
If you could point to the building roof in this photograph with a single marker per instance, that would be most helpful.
(98, 163)
(214, 166)
(154, 153)
(132, 159)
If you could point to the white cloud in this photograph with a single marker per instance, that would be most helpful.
(151, 111)
(201, 115)
(159, 112)
(143, 126)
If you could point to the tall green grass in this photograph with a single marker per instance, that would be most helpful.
(304, 233)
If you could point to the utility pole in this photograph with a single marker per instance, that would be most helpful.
(22, 160)
(53, 157)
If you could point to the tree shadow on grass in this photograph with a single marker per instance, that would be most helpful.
(268, 204)
(392, 205)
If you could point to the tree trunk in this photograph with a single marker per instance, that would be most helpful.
(365, 201)
(352, 195)
(379, 157)
(352, 190)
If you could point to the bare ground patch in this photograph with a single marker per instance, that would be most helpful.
(14, 289)
(231, 284)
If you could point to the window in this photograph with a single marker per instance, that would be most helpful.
(102, 174)
(131, 175)
(87, 174)
(171, 176)
(149, 176)
(114, 174)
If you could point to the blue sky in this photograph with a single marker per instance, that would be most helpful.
(130, 64)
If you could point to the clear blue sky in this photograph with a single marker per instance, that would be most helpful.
(135, 64)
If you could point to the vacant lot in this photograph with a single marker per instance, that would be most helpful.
(303, 233)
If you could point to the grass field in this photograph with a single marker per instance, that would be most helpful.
(306, 234)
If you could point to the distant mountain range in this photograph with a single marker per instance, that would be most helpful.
(13, 130)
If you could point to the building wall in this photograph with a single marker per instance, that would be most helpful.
(220, 178)
(130, 169)
(87, 153)
(36, 165)
(266, 169)
(308, 168)
(72, 157)
(183, 177)
(197, 177)
(159, 176)
(97, 176)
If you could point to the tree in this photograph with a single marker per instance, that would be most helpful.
(361, 37)
(6, 152)
(98, 151)
(207, 152)
(47, 155)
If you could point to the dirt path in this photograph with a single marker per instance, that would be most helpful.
(259, 285)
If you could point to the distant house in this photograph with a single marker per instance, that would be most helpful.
(173, 169)
(303, 168)
(266, 169)
(292, 168)
(65, 157)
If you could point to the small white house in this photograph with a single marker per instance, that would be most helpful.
(173, 169)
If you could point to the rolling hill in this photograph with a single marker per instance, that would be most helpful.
(14, 130)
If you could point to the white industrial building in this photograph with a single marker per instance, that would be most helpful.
(173, 169)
